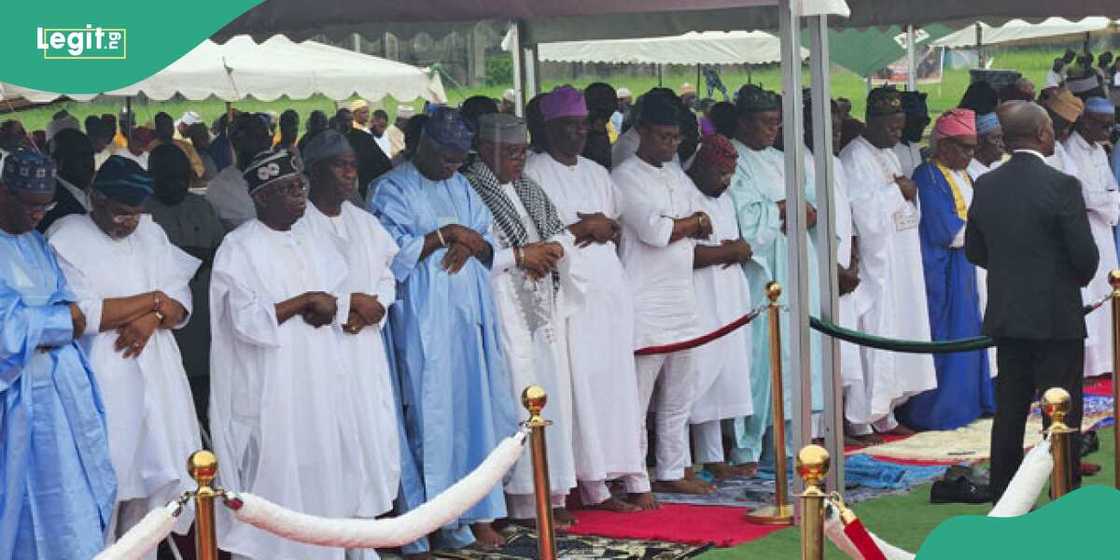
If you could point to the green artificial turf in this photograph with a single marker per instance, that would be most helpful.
(903, 521)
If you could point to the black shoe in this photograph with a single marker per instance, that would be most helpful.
(959, 490)
(1090, 443)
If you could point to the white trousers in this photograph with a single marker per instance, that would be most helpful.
(595, 492)
(524, 506)
(884, 424)
(707, 443)
(672, 375)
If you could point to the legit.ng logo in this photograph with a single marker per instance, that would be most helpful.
(88, 43)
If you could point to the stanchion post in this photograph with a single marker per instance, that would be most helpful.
(1114, 280)
(534, 399)
(812, 466)
(781, 513)
(1056, 404)
(203, 467)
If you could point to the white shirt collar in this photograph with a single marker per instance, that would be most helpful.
(1034, 153)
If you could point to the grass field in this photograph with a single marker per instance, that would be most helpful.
(1032, 62)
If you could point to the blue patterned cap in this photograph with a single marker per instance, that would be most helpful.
(987, 123)
(448, 130)
(27, 170)
(123, 180)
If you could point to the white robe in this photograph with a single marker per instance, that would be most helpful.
(369, 252)
(150, 414)
(909, 157)
(600, 333)
(723, 366)
(891, 268)
(533, 316)
(1102, 200)
(975, 171)
(851, 365)
(275, 417)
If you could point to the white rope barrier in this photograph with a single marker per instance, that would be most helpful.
(834, 530)
(382, 533)
(144, 536)
(1027, 484)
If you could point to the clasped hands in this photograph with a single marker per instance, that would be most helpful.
(133, 337)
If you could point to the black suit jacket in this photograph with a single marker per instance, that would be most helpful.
(372, 162)
(1028, 227)
(65, 204)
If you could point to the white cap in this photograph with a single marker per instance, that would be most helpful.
(623, 92)
(190, 117)
(510, 95)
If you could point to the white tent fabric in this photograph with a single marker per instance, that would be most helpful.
(1019, 30)
(711, 47)
(277, 67)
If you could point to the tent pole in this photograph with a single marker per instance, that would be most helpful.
(518, 70)
(797, 281)
(911, 69)
(532, 72)
(979, 45)
(659, 77)
(131, 117)
(698, 80)
(833, 389)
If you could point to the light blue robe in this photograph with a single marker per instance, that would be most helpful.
(756, 188)
(454, 382)
(1116, 171)
(57, 485)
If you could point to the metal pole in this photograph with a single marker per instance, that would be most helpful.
(833, 389)
(1056, 404)
(131, 118)
(534, 398)
(979, 45)
(797, 285)
(203, 467)
(1114, 279)
(812, 466)
(532, 72)
(780, 513)
(518, 70)
(911, 69)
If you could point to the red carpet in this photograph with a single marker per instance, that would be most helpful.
(1099, 386)
(721, 526)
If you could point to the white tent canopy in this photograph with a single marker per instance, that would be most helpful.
(1019, 30)
(710, 47)
(277, 67)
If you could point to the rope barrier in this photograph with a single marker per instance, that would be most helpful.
(848, 533)
(145, 535)
(1027, 484)
(381, 533)
(704, 339)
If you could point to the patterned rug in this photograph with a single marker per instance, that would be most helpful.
(522, 545)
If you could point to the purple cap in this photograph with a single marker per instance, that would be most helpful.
(564, 101)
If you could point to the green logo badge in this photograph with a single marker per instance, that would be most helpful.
(88, 43)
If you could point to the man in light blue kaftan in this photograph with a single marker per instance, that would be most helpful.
(57, 486)
(758, 191)
(453, 379)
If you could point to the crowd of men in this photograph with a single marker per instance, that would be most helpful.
(351, 315)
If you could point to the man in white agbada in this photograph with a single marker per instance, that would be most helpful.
(723, 385)
(1102, 200)
(1064, 109)
(909, 148)
(660, 226)
(601, 332)
(278, 302)
(227, 191)
(132, 285)
(536, 287)
(369, 251)
(891, 268)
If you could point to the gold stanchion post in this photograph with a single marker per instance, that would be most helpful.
(1114, 280)
(203, 467)
(534, 399)
(812, 465)
(781, 513)
(1055, 404)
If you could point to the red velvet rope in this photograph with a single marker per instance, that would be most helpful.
(863, 542)
(700, 340)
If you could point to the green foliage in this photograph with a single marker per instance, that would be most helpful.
(499, 70)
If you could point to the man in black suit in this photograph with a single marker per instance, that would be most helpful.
(1028, 227)
(72, 152)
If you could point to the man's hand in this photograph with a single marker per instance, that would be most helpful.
(739, 252)
(133, 337)
(539, 259)
(173, 312)
(848, 279)
(455, 257)
(594, 228)
(77, 321)
(907, 187)
(704, 225)
(368, 309)
(319, 309)
(810, 216)
(471, 239)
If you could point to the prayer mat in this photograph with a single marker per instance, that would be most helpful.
(687, 524)
(521, 544)
(1099, 386)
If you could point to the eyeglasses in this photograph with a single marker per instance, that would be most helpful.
(30, 208)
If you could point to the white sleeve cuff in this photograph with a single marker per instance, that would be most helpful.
(958, 241)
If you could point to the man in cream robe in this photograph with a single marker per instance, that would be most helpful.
(600, 333)
(1102, 200)
(133, 287)
(891, 269)
(278, 301)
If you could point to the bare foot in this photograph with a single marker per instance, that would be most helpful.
(486, 538)
(644, 501)
(683, 486)
(616, 505)
(724, 471)
(900, 430)
(863, 441)
(562, 518)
